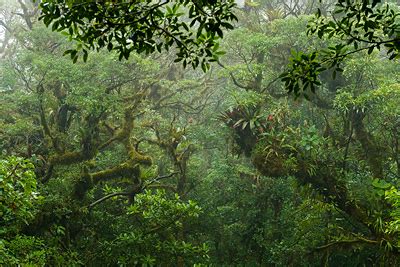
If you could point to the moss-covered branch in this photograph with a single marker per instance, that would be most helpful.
(126, 169)
(371, 149)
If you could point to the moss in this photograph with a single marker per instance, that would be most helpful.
(71, 157)
(84, 184)
(137, 157)
(269, 161)
(67, 158)
(271, 166)
(124, 133)
(369, 145)
(126, 169)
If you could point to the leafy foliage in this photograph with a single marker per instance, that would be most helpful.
(359, 25)
(143, 162)
(152, 218)
(18, 193)
(143, 26)
(32, 251)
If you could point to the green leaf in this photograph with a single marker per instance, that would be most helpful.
(54, 26)
(370, 50)
(85, 55)
(381, 184)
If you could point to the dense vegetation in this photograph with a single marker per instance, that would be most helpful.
(142, 162)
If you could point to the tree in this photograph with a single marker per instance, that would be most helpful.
(109, 102)
(326, 152)
(143, 26)
(355, 26)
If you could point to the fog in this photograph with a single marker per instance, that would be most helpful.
(199, 133)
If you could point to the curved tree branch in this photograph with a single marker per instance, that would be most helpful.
(107, 197)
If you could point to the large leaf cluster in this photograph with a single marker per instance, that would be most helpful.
(143, 26)
(355, 26)
(150, 237)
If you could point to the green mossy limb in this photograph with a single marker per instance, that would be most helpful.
(269, 166)
(125, 169)
(328, 183)
(87, 180)
(69, 158)
(369, 145)
(137, 157)
(84, 184)
(270, 162)
(124, 133)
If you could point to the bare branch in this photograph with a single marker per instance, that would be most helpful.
(159, 178)
(353, 241)
(234, 79)
(107, 197)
